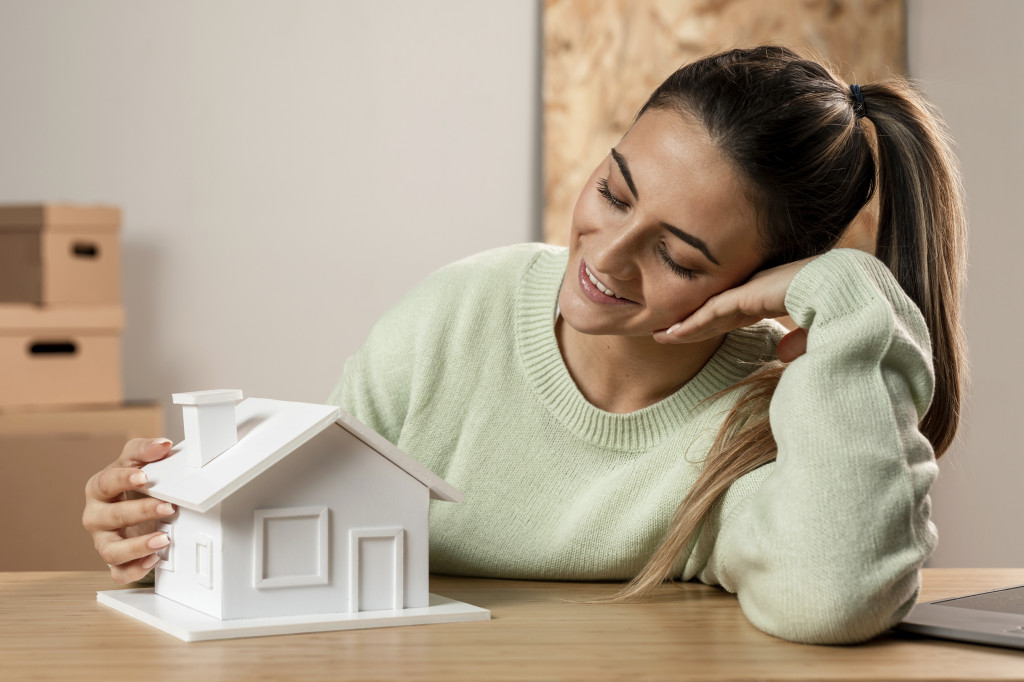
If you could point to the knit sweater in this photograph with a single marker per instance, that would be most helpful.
(823, 545)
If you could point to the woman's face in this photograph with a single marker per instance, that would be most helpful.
(662, 224)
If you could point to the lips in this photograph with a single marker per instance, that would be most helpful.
(596, 290)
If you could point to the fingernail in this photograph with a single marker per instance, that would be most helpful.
(138, 478)
(161, 441)
(159, 541)
(674, 329)
(165, 509)
(151, 561)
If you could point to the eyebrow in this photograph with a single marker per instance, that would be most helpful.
(624, 168)
(695, 242)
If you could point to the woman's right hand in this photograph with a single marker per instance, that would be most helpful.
(121, 521)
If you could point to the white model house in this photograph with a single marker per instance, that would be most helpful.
(310, 521)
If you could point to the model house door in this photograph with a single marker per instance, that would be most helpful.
(377, 571)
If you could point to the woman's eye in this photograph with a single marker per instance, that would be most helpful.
(675, 267)
(602, 189)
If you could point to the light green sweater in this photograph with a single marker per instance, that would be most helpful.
(823, 545)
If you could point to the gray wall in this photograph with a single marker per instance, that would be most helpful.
(287, 169)
(290, 169)
(967, 57)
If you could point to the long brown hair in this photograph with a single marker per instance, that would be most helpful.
(796, 132)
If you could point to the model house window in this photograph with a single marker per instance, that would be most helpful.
(204, 561)
(290, 547)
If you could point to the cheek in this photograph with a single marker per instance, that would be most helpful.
(680, 298)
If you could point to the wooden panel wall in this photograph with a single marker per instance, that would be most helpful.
(602, 58)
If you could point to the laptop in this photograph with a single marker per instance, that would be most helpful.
(995, 618)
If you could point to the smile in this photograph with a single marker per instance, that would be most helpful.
(597, 283)
(596, 291)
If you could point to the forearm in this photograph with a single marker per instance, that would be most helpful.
(827, 549)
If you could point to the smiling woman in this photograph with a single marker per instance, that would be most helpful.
(666, 172)
(617, 410)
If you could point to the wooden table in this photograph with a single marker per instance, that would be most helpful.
(51, 628)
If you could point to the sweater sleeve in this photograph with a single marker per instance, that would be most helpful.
(376, 381)
(364, 392)
(826, 549)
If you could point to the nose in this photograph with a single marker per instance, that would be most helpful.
(615, 254)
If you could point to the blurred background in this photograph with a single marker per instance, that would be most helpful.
(287, 170)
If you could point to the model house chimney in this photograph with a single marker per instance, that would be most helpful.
(209, 418)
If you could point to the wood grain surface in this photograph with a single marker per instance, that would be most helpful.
(51, 628)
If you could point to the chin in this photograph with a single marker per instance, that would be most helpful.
(586, 322)
(582, 320)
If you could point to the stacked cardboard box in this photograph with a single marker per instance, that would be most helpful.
(62, 415)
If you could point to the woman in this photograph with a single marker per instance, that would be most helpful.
(620, 410)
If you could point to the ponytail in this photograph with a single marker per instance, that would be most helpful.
(922, 235)
(754, 103)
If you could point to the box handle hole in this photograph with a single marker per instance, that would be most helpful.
(85, 250)
(53, 348)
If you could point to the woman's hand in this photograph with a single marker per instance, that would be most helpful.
(760, 297)
(122, 522)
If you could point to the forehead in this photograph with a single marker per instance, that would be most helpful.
(682, 174)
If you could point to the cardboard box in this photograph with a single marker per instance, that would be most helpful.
(60, 356)
(45, 460)
(60, 254)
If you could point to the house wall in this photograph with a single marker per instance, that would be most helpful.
(361, 488)
(180, 582)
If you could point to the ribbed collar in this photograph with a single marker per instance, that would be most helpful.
(644, 429)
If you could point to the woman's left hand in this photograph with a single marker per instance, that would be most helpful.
(762, 296)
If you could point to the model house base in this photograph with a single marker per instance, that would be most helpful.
(190, 625)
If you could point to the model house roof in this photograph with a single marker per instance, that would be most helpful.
(269, 431)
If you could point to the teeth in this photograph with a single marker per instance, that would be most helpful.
(602, 288)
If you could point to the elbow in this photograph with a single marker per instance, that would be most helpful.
(845, 610)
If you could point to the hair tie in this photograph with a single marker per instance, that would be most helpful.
(859, 110)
